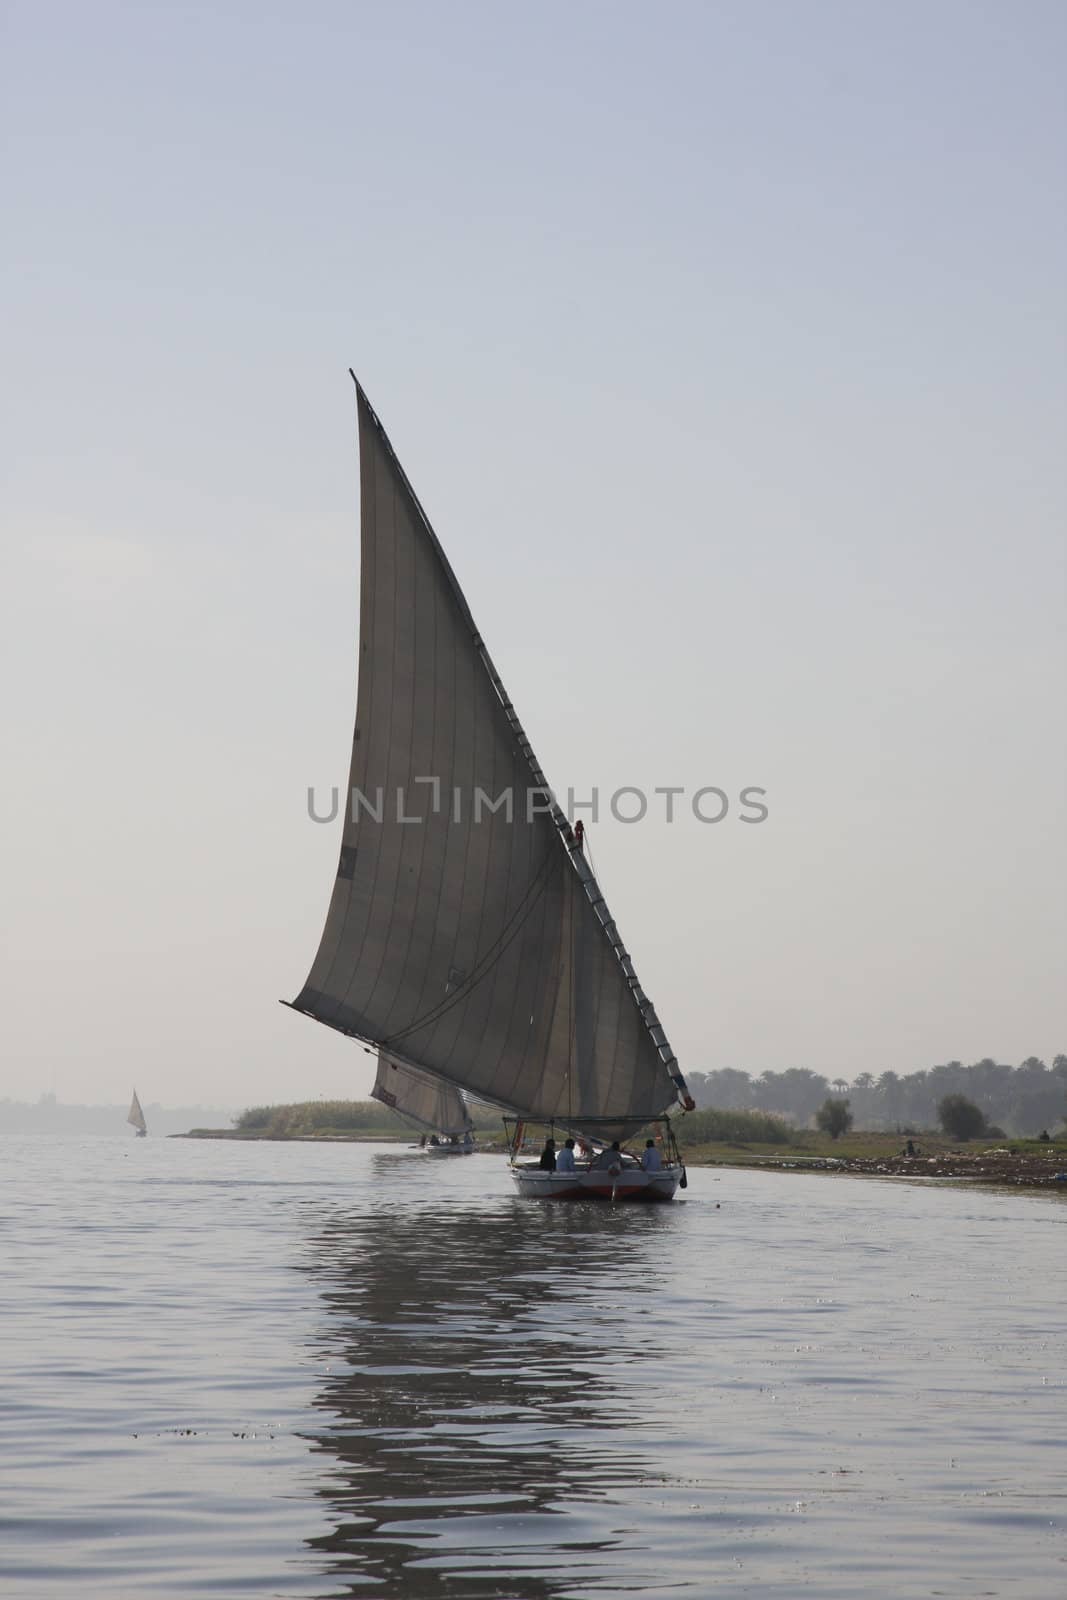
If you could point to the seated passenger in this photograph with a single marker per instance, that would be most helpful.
(547, 1162)
(651, 1160)
(610, 1160)
(565, 1159)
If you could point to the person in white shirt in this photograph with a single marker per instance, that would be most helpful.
(565, 1157)
(651, 1160)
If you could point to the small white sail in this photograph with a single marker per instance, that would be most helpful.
(136, 1116)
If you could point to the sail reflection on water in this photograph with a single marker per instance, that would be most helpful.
(477, 1391)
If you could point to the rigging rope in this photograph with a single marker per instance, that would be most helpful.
(587, 842)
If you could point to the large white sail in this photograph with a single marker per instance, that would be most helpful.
(135, 1116)
(420, 1097)
(472, 942)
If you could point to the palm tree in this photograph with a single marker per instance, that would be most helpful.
(890, 1089)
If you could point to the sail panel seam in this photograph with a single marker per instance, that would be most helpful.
(486, 962)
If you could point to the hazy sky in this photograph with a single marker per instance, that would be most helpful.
(724, 344)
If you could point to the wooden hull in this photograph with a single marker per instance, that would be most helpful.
(631, 1185)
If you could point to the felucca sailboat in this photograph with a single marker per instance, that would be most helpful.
(467, 939)
(135, 1117)
(425, 1102)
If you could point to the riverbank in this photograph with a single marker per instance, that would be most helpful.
(323, 1136)
(1017, 1163)
(1019, 1171)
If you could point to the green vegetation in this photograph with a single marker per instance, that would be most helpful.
(808, 1148)
(775, 1141)
(1023, 1099)
(706, 1138)
(731, 1127)
(960, 1117)
(733, 1138)
(367, 1119)
(833, 1117)
(309, 1119)
(333, 1119)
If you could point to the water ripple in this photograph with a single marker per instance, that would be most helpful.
(292, 1370)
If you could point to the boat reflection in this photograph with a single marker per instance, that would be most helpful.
(480, 1383)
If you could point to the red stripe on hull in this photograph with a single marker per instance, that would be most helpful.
(648, 1194)
(645, 1196)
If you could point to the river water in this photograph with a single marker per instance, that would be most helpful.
(280, 1370)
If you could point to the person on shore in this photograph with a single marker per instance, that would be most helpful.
(651, 1160)
(565, 1158)
(547, 1162)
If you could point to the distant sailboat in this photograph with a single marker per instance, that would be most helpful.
(136, 1117)
(468, 940)
(426, 1102)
